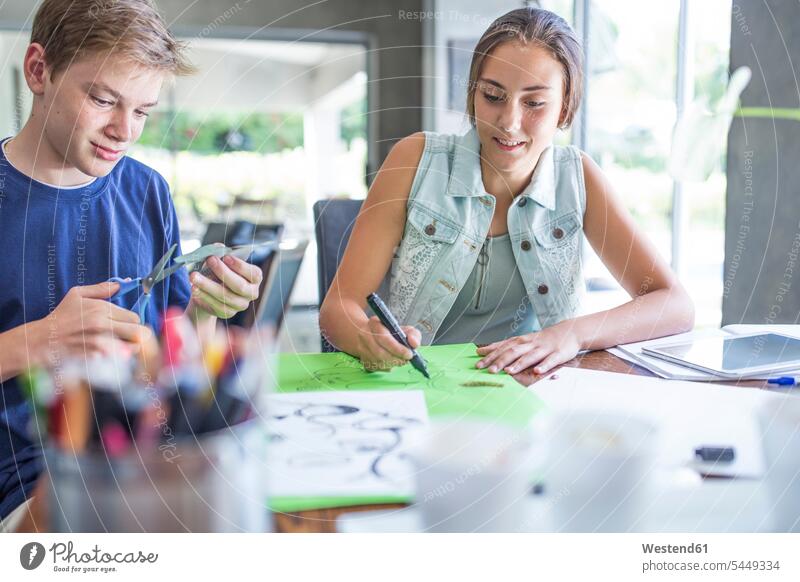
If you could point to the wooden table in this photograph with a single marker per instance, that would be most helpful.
(324, 520)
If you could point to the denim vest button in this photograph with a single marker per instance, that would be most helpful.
(486, 200)
(526, 245)
(430, 230)
(522, 202)
(542, 289)
(558, 233)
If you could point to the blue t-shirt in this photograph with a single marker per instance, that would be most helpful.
(54, 239)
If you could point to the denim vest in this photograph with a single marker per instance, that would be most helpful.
(448, 218)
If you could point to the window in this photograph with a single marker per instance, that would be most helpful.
(631, 110)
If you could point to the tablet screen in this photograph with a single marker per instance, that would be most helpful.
(736, 353)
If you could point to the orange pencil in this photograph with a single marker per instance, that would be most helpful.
(76, 417)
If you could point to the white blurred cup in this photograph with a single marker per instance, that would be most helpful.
(779, 421)
(472, 476)
(598, 473)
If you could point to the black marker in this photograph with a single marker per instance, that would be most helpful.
(715, 454)
(389, 321)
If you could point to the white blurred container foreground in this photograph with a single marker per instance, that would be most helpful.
(472, 476)
(779, 420)
(599, 471)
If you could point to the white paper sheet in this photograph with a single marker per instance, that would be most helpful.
(341, 443)
(687, 414)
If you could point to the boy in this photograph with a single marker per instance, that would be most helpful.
(74, 211)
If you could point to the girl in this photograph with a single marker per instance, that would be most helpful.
(482, 232)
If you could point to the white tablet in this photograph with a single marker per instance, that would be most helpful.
(734, 356)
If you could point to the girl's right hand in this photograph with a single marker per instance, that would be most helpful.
(380, 351)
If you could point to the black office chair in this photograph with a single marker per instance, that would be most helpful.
(274, 298)
(243, 232)
(217, 232)
(333, 225)
(268, 264)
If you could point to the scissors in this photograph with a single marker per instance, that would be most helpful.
(198, 256)
(146, 283)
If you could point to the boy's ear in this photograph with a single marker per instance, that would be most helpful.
(35, 68)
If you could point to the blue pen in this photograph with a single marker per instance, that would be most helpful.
(783, 381)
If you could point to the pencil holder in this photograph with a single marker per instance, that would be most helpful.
(208, 484)
(156, 444)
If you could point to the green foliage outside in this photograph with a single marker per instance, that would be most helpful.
(354, 121)
(216, 133)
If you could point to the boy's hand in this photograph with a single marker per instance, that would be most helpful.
(84, 322)
(236, 285)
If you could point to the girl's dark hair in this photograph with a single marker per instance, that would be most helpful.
(542, 27)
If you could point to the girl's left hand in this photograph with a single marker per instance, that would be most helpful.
(236, 284)
(545, 349)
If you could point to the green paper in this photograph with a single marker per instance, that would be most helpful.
(450, 392)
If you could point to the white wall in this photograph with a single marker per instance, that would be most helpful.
(12, 51)
(238, 80)
(242, 82)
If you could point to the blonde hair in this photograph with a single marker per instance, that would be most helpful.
(534, 25)
(133, 29)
